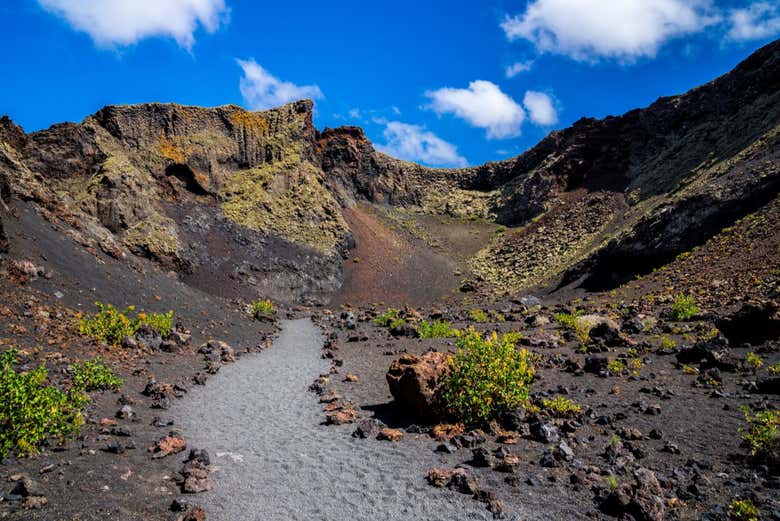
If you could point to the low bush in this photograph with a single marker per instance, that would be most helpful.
(435, 329)
(568, 319)
(478, 316)
(615, 367)
(762, 433)
(581, 330)
(667, 343)
(386, 318)
(111, 325)
(488, 376)
(561, 407)
(262, 306)
(743, 510)
(754, 361)
(684, 307)
(94, 375)
(31, 411)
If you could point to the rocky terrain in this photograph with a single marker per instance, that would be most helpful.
(234, 220)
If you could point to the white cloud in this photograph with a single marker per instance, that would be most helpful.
(482, 105)
(621, 29)
(262, 90)
(540, 108)
(758, 20)
(518, 67)
(124, 22)
(414, 143)
(355, 114)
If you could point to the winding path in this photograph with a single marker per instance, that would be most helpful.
(273, 460)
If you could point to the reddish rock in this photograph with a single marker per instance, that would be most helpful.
(414, 380)
(446, 431)
(167, 445)
(390, 435)
(341, 417)
(194, 514)
(439, 478)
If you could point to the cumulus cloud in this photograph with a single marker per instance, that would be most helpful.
(758, 20)
(482, 105)
(540, 108)
(518, 67)
(414, 143)
(125, 22)
(262, 90)
(625, 30)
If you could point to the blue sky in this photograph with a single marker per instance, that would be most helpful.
(428, 81)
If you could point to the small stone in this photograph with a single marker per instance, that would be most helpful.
(439, 478)
(390, 434)
(167, 445)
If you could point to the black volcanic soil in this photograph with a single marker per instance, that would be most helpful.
(83, 480)
(699, 419)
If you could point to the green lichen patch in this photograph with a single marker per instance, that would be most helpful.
(154, 237)
(286, 199)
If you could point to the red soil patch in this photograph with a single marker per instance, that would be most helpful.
(390, 267)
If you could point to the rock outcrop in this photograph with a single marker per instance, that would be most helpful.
(414, 381)
(247, 203)
(603, 200)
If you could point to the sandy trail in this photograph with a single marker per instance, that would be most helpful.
(275, 461)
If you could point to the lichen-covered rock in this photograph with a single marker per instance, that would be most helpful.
(414, 382)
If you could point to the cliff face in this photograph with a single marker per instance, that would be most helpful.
(250, 202)
(215, 194)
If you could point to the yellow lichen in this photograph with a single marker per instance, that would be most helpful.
(172, 149)
(250, 121)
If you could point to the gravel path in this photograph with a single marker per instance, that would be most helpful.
(274, 460)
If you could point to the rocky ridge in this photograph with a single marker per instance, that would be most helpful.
(250, 203)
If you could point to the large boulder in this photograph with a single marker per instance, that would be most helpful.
(414, 380)
(754, 323)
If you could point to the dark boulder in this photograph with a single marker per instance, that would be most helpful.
(754, 323)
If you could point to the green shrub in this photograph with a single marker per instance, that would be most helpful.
(743, 510)
(262, 306)
(568, 320)
(386, 318)
(762, 433)
(581, 332)
(435, 329)
(93, 375)
(667, 343)
(774, 368)
(31, 411)
(398, 322)
(497, 316)
(615, 367)
(684, 307)
(478, 316)
(161, 322)
(111, 325)
(754, 361)
(612, 482)
(488, 376)
(561, 407)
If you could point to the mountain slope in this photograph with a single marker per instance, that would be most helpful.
(242, 203)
